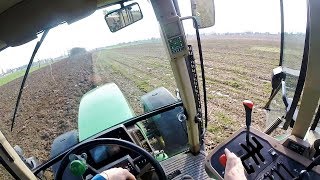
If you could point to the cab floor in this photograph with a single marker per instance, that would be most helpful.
(185, 164)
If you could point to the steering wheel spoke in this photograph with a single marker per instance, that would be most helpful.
(92, 170)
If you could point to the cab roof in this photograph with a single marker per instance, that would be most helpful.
(22, 20)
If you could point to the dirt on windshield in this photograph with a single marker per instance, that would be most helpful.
(237, 68)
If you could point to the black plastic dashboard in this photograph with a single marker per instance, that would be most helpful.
(101, 156)
(105, 156)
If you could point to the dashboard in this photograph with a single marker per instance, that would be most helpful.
(139, 131)
(104, 157)
(263, 157)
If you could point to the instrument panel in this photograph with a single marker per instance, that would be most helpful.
(262, 157)
(106, 156)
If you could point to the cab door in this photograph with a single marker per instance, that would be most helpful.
(288, 79)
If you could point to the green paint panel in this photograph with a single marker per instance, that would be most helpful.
(102, 108)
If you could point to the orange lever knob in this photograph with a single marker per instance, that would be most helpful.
(223, 160)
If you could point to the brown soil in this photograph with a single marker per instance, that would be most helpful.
(235, 71)
(48, 106)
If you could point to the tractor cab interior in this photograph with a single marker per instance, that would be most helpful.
(164, 138)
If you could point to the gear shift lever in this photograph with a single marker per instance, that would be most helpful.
(248, 106)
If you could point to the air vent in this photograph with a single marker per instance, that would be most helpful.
(146, 146)
(139, 135)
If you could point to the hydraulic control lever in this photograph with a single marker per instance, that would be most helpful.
(248, 106)
(304, 174)
(314, 163)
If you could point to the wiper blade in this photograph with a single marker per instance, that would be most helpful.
(45, 32)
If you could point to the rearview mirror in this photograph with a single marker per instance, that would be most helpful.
(125, 16)
(203, 10)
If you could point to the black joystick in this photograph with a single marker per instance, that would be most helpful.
(314, 163)
(304, 174)
(248, 106)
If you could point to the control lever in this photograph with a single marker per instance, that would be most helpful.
(316, 147)
(248, 105)
(304, 174)
(314, 163)
(223, 160)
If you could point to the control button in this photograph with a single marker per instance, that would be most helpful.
(223, 160)
(273, 153)
(78, 167)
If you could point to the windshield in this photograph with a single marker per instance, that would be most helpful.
(294, 37)
(295, 19)
(80, 60)
(77, 63)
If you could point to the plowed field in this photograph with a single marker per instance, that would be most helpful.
(237, 68)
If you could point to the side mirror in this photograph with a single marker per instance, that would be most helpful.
(123, 17)
(203, 10)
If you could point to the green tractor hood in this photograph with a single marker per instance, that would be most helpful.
(102, 108)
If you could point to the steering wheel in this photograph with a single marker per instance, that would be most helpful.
(110, 141)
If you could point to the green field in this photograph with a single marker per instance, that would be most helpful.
(10, 77)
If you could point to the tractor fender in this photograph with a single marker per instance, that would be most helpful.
(102, 108)
(60, 144)
(172, 130)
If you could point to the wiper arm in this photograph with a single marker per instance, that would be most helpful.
(45, 32)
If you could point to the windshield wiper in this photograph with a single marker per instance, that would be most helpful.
(36, 48)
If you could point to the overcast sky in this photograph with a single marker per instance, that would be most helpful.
(92, 32)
